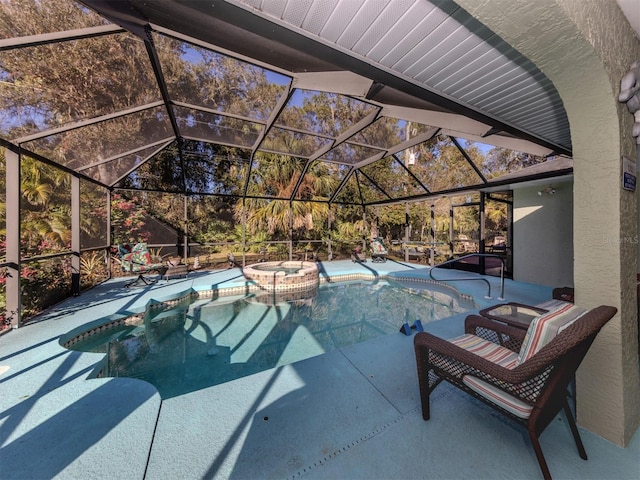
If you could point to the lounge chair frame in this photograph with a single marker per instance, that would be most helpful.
(541, 381)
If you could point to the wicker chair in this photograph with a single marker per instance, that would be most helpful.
(487, 362)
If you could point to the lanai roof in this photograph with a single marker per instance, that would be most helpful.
(406, 73)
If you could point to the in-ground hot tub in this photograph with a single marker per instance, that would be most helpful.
(283, 276)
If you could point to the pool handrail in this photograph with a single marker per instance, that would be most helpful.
(453, 260)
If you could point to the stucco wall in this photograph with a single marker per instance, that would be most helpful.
(543, 236)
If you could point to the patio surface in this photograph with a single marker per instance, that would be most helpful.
(352, 413)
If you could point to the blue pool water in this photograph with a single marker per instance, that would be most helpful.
(208, 342)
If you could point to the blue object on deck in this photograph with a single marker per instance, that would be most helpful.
(406, 329)
(417, 326)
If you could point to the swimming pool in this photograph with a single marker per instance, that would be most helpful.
(197, 344)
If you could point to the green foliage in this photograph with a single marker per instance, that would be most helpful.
(501, 160)
(45, 284)
(45, 210)
(93, 268)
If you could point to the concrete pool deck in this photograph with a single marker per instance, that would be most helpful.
(349, 413)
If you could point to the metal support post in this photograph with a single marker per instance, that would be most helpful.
(75, 236)
(13, 313)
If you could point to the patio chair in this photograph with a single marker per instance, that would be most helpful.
(357, 255)
(499, 245)
(521, 374)
(137, 259)
(378, 251)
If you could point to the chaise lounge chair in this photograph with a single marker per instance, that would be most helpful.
(378, 251)
(523, 374)
(137, 259)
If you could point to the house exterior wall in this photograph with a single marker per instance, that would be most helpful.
(543, 235)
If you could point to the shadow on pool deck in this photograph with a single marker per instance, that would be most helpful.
(351, 413)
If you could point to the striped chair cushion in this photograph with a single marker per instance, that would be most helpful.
(490, 351)
(499, 397)
(497, 354)
(545, 327)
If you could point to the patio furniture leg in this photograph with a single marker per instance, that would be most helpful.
(423, 382)
(426, 408)
(574, 430)
(539, 455)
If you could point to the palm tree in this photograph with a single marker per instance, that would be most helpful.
(277, 176)
(46, 209)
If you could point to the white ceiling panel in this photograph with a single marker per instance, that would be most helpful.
(437, 46)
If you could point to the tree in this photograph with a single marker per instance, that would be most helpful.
(278, 176)
(501, 160)
(45, 212)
